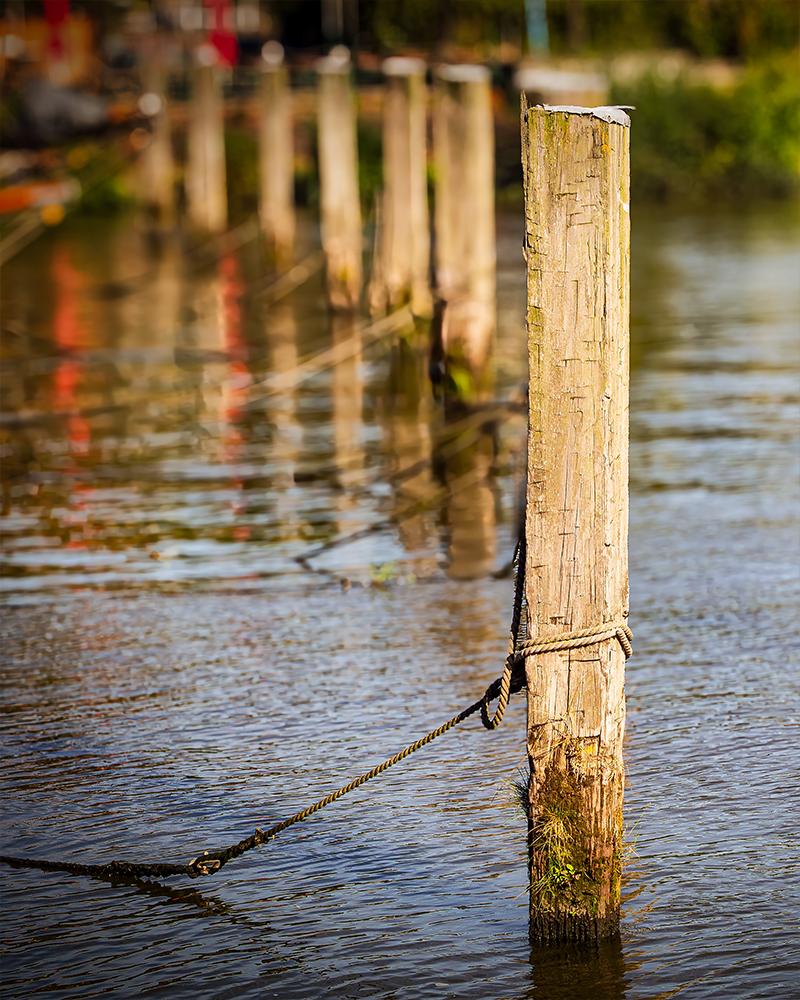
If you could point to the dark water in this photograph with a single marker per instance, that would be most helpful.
(228, 591)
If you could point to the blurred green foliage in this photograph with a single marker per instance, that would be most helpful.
(696, 142)
(709, 28)
(729, 28)
(101, 171)
(370, 164)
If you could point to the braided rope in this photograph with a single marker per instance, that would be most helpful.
(210, 861)
(585, 637)
(519, 651)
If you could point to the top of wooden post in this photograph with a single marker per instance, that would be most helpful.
(336, 61)
(271, 56)
(403, 66)
(615, 115)
(464, 73)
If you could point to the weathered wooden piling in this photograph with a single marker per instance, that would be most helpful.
(340, 208)
(577, 248)
(206, 196)
(156, 164)
(463, 137)
(401, 273)
(276, 194)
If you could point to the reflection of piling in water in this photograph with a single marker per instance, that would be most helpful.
(281, 332)
(406, 412)
(403, 250)
(206, 197)
(471, 510)
(276, 194)
(347, 393)
(156, 164)
(338, 175)
(464, 219)
(577, 248)
(347, 389)
(202, 351)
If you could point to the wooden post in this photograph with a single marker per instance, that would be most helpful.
(206, 197)
(401, 273)
(338, 174)
(464, 216)
(276, 202)
(157, 168)
(578, 254)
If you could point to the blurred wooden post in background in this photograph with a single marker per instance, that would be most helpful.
(206, 195)
(578, 257)
(156, 164)
(340, 207)
(276, 194)
(463, 139)
(403, 245)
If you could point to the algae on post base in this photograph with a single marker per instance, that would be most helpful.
(577, 251)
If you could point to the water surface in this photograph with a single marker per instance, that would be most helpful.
(231, 584)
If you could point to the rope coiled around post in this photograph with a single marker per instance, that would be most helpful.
(520, 649)
(512, 680)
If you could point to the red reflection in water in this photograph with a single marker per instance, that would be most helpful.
(239, 379)
(68, 331)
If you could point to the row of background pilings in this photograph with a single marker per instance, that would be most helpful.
(447, 269)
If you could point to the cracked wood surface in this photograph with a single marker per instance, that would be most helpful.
(577, 251)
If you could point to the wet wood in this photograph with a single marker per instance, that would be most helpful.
(402, 259)
(206, 195)
(577, 236)
(464, 216)
(340, 207)
(276, 193)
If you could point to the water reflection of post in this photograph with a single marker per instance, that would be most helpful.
(403, 250)
(281, 331)
(203, 350)
(408, 445)
(340, 207)
(599, 972)
(206, 197)
(347, 390)
(276, 192)
(465, 228)
(466, 460)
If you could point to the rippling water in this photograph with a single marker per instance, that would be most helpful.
(232, 583)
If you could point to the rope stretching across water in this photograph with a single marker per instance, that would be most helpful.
(512, 680)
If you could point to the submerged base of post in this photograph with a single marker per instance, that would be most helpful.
(575, 860)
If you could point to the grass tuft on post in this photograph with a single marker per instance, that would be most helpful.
(577, 250)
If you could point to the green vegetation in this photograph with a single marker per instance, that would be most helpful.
(739, 29)
(733, 29)
(696, 142)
